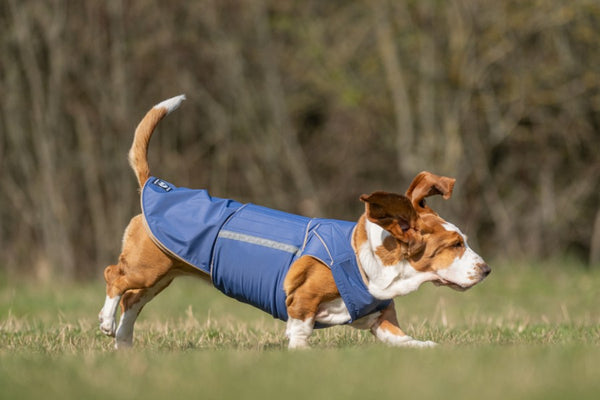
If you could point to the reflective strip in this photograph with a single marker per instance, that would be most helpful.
(242, 237)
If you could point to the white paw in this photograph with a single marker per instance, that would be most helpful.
(407, 341)
(108, 326)
(420, 344)
(298, 332)
(298, 344)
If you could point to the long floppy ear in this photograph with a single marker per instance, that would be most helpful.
(396, 214)
(427, 184)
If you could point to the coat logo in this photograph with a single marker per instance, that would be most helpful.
(162, 184)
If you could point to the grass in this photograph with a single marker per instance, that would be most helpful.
(526, 332)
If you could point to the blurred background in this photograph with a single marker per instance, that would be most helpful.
(300, 106)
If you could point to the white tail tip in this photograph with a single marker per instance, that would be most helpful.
(171, 104)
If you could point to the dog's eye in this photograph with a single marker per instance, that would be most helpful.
(457, 244)
(422, 203)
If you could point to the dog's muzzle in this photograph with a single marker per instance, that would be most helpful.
(484, 270)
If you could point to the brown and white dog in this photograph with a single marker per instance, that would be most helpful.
(399, 243)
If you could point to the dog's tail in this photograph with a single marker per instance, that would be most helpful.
(138, 154)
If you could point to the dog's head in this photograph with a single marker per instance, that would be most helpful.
(416, 234)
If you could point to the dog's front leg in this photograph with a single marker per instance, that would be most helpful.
(298, 331)
(308, 284)
(387, 329)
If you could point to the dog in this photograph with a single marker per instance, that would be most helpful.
(311, 273)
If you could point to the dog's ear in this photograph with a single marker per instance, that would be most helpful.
(427, 184)
(390, 210)
(396, 214)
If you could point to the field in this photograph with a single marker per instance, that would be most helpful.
(526, 332)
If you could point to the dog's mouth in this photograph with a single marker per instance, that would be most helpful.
(443, 282)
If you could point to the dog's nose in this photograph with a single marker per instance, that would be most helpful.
(485, 269)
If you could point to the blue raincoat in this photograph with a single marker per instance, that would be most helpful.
(248, 249)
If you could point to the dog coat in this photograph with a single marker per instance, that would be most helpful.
(248, 249)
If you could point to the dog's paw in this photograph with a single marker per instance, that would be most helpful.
(298, 344)
(421, 344)
(407, 341)
(107, 326)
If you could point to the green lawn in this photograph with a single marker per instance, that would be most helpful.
(525, 332)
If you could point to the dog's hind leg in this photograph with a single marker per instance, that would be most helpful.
(132, 303)
(109, 310)
(143, 272)
(142, 266)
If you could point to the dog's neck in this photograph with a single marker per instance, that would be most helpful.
(384, 281)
